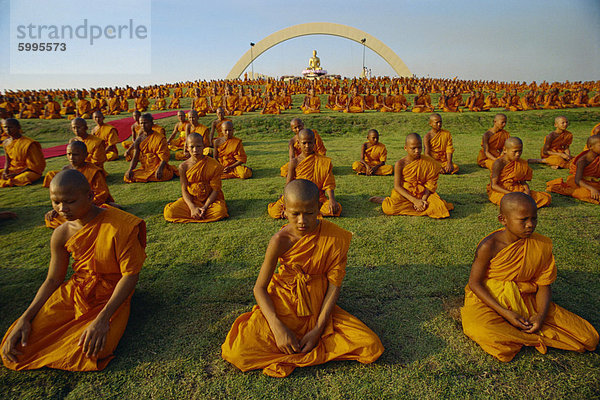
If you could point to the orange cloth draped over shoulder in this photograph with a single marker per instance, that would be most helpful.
(418, 175)
(96, 150)
(203, 177)
(495, 146)
(24, 153)
(232, 151)
(153, 150)
(297, 290)
(109, 134)
(313, 107)
(559, 144)
(512, 279)
(591, 175)
(95, 176)
(440, 145)
(510, 179)
(84, 108)
(178, 142)
(374, 155)
(319, 149)
(51, 111)
(319, 170)
(107, 248)
(356, 105)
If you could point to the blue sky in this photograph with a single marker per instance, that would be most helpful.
(553, 40)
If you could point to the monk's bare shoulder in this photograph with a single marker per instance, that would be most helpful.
(401, 163)
(490, 245)
(282, 241)
(63, 233)
(498, 165)
(184, 166)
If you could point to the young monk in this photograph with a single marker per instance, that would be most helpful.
(492, 142)
(311, 103)
(201, 198)
(197, 127)
(583, 182)
(51, 109)
(510, 173)
(177, 143)
(24, 161)
(508, 297)
(108, 133)
(296, 321)
(76, 154)
(76, 325)
(95, 145)
(229, 151)
(217, 124)
(555, 151)
(315, 168)
(373, 156)
(83, 107)
(136, 129)
(438, 145)
(415, 185)
(356, 103)
(294, 148)
(150, 148)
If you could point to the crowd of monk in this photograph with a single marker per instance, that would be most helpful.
(77, 324)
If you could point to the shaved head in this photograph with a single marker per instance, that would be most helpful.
(435, 116)
(499, 116)
(512, 142)
(559, 118)
(194, 136)
(227, 124)
(79, 121)
(516, 200)
(147, 116)
(77, 145)
(307, 133)
(70, 180)
(413, 136)
(301, 190)
(592, 140)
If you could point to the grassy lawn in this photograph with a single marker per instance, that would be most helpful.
(405, 276)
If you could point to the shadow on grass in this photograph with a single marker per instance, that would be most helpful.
(466, 169)
(28, 217)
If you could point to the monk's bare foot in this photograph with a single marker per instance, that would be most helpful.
(377, 199)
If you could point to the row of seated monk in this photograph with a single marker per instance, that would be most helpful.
(76, 325)
(415, 176)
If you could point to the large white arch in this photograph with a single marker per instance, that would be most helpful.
(320, 28)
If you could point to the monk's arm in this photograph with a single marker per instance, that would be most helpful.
(363, 149)
(581, 164)
(542, 299)
(6, 165)
(486, 146)
(427, 145)
(333, 204)
(399, 186)
(59, 262)
(93, 337)
(449, 165)
(291, 175)
(286, 339)
(291, 151)
(496, 169)
(215, 150)
(548, 142)
(477, 277)
(173, 134)
(134, 159)
(310, 340)
(195, 211)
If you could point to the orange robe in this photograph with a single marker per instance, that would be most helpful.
(52, 109)
(418, 175)
(319, 149)
(319, 170)
(200, 104)
(512, 279)
(297, 290)
(84, 108)
(114, 107)
(203, 177)
(178, 142)
(510, 179)
(422, 104)
(230, 152)
(96, 150)
(153, 150)
(440, 145)
(68, 107)
(95, 176)
(374, 155)
(107, 248)
(313, 107)
(272, 107)
(591, 175)
(495, 146)
(109, 134)
(559, 145)
(356, 105)
(24, 153)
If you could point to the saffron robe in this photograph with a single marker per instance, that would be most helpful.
(512, 279)
(109, 134)
(374, 155)
(440, 145)
(153, 150)
(591, 175)
(297, 290)
(559, 145)
(96, 150)
(230, 152)
(319, 170)
(495, 146)
(418, 175)
(356, 105)
(510, 178)
(107, 248)
(84, 108)
(95, 176)
(24, 153)
(178, 142)
(313, 106)
(203, 177)
(319, 149)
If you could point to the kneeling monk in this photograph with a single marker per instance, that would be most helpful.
(201, 198)
(76, 325)
(507, 299)
(510, 173)
(296, 321)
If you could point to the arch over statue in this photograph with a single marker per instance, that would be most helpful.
(320, 28)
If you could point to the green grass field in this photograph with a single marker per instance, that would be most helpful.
(405, 276)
